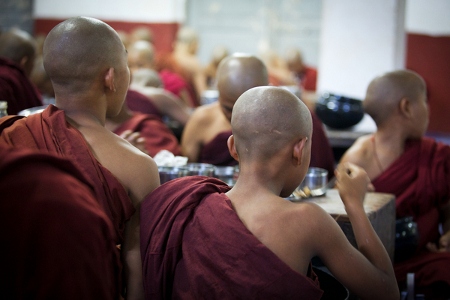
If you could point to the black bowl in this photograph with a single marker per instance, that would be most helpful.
(339, 112)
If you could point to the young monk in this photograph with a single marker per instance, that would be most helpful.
(87, 64)
(200, 239)
(61, 245)
(17, 54)
(141, 56)
(205, 135)
(400, 160)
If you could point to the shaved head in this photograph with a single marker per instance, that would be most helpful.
(141, 55)
(385, 92)
(235, 75)
(266, 119)
(79, 50)
(17, 44)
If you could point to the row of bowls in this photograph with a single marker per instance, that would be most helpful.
(228, 174)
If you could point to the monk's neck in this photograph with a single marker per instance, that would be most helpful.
(112, 123)
(390, 141)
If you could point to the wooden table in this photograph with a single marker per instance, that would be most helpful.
(379, 207)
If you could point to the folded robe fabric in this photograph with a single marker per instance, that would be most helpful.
(140, 103)
(194, 246)
(57, 241)
(49, 132)
(156, 134)
(16, 88)
(420, 180)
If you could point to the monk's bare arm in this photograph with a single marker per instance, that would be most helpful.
(191, 140)
(167, 103)
(368, 273)
(144, 180)
(357, 153)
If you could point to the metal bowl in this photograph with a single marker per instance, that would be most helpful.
(339, 112)
(169, 173)
(200, 169)
(316, 178)
(227, 174)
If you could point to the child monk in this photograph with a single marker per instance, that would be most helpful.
(400, 160)
(199, 238)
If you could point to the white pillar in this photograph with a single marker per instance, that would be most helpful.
(359, 40)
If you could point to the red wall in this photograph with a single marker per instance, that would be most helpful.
(430, 57)
(163, 33)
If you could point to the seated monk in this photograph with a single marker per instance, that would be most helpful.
(141, 56)
(145, 131)
(88, 88)
(199, 238)
(306, 75)
(184, 62)
(205, 135)
(58, 242)
(400, 160)
(17, 53)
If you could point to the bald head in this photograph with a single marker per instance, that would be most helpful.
(18, 46)
(79, 50)
(294, 60)
(266, 119)
(236, 74)
(385, 92)
(141, 55)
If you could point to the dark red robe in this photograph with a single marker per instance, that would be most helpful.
(16, 88)
(57, 243)
(308, 79)
(156, 134)
(420, 180)
(166, 64)
(216, 151)
(141, 103)
(194, 246)
(177, 85)
(49, 132)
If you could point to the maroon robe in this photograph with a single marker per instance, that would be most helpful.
(156, 134)
(49, 132)
(16, 88)
(216, 151)
(141, 103)
(57, 243)
(321, 152)
(194, 246)
(176, 84)
(420, 180)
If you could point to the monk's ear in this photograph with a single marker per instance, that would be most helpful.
(298, 150)
(109, 80)
(232, 148)
(405, 107)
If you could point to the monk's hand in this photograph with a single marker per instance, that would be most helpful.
(444, 244)
(352, 183)
(135, 139)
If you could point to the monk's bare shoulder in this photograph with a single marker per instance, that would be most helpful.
(360, 152)
(136, 171)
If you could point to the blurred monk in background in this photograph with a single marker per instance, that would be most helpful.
(183, 61)
(17, 55)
